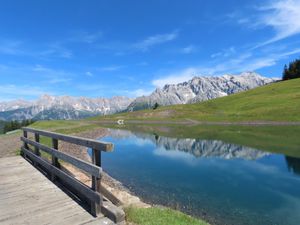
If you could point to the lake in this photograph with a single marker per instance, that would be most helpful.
(222, 182)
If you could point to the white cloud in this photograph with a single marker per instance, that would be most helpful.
(10, 47)
(224, 53)
(243, 62)
(12, 91)
(56, 80)
(140, 92)
(188, 49)
(110, 68)
(282, 16)
(86, 37)
(89, 74)
(175, 78)
(151, 41)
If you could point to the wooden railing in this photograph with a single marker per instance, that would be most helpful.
(53, 168)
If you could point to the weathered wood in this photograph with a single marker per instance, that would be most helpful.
(106, 193)
(90, 143)
(25, 145)
(80, 187)
(85, 193)
(37, 201)
(86, 166)
(113, 212)
(96, 182)
(36, 149)
(37, 139)
(54, 159)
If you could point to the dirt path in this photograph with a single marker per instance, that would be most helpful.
(10, 144)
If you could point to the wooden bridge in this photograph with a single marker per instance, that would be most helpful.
(36, 190)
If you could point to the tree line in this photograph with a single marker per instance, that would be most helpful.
(14, 125)
(292, 71)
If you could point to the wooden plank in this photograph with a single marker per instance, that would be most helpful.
(37, 139)
(80, 187)
(105, 192)
(90, 143)
(81, 164)
(113, 212)
(96, 182)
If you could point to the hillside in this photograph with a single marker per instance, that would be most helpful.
(274, 102)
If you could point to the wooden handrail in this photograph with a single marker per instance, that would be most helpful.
(90, 143)
(92, 194)
(86, 166)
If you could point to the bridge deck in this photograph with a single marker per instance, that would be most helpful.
(28, 197)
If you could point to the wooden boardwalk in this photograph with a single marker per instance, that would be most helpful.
(28, 197)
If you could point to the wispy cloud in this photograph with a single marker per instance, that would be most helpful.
(56, 50)
(280, 15)
(89, 74)
(224, 53)
(158, 39)
(86, 37)
(140, 92)
(110, 68)
(53, 76)
(242, 62)
(283, 16)
(10, 47)
(12, 91)
(188, 49)
(178, 77)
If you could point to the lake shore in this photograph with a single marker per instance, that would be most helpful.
(195, 122)
(130, 202)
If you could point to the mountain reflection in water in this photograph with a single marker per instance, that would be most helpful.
(225, 183)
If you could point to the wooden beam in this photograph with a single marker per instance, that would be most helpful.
(96, 182)
(90, 143)
(54, 158)
(77, 185)
(81, 164)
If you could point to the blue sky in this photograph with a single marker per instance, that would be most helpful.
(129, 47)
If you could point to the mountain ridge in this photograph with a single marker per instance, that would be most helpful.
(62, 107)
(200, 88)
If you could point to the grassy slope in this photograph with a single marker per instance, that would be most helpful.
(275, 102)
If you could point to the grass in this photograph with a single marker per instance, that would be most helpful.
(274, 102)
(159, 216)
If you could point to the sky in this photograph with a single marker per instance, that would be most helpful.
(105, 48)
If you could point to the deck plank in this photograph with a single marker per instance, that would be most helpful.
(28, 197)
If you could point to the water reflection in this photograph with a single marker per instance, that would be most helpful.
(230, 183)
(293, 164)
(196, 147)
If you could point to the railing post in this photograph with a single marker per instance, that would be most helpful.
(25, 145)
(96, 182)
(54, 159)
(36, 149)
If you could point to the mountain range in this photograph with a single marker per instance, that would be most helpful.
(62, 107)
(198, 89)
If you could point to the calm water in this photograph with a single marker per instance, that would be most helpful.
(222, 182)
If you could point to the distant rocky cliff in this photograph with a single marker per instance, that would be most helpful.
(200, 89)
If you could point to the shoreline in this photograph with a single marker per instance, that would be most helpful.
(195, 122)
(127, 198)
